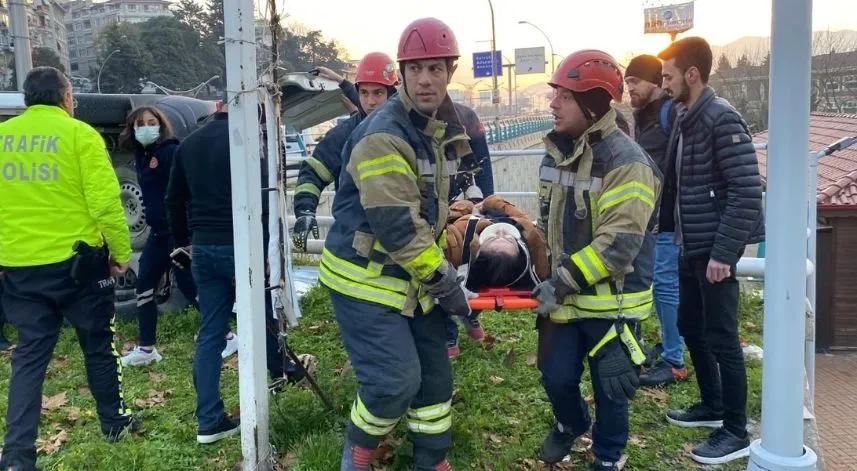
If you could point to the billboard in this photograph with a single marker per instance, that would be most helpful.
(669, 19)
(530, 60)
(482, 66)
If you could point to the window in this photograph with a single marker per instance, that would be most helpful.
(87, 24)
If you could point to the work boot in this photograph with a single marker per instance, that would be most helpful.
(113, 434)
(662, 374)
(355, 457)
(556, 445)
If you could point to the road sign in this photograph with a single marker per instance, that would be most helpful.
(669, 19)
(482, 64)
(530, 60)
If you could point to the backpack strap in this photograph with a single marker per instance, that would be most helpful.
(665, 116)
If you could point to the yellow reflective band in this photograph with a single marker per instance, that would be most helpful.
(350, 271)
(320, 169)
(571, 313)
(424, 264)
(430, 428)
(624, 193)
(608, 302)
(358, 290)
(442, 241)
(610, 335)
(632, 346)
(383, 165)
(307, 188)
(434, 411)
(123, 409)
(368, 422)
(588, 262)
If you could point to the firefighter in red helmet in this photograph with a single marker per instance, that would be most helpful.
(598, 191)
(383, 260)
(376, 81)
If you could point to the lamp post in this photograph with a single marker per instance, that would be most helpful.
(98, 80)
(553, 61)
(495, 95)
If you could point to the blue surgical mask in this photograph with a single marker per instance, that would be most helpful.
(146, 135)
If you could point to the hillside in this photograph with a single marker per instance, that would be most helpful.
(757, 47)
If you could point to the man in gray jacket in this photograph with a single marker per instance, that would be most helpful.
(718, 212)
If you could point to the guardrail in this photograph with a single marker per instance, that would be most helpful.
(510, 128)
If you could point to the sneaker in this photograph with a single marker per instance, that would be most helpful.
(473, 327)
(139, 356)
(556, 446)
(355, 457)
(452, 350)
(662, 374)
(231, 346)
(721, 447)
(226, 428)
(113, 434)
(602, 465)
(443, 466)
(697, 415)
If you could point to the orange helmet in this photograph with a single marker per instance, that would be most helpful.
(589, 69)
(377, 67)
(427, 38)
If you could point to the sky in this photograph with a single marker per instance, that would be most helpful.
(615, 26)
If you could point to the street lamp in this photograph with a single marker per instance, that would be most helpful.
(553, 62)
(98, 80)
(495, 98)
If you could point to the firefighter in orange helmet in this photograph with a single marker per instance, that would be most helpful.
(375, 83)
(598, 191)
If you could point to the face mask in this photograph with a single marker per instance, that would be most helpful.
(146, 135)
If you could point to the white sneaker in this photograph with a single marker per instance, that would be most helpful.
(138, 357)
(231, 346)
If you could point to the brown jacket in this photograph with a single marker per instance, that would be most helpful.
(456, 226)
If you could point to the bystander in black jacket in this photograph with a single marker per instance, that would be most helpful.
(650, 133)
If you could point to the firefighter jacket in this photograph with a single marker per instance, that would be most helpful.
(391, 207)
(494, 209)
(598, 195)
(58, 187)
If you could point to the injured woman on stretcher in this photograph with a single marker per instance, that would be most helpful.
(496, 248)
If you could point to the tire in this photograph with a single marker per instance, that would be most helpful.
(132, 202)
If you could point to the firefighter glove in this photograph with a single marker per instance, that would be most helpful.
(615, 371)
(551, 292)
(446, 287)
(304, 224)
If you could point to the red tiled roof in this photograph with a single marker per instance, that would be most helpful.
(837, 173)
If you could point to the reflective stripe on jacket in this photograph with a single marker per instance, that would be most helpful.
(598, 194)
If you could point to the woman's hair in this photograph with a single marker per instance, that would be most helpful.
(127, 139)
(496, 270)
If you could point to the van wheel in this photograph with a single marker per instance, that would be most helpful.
(132, 202)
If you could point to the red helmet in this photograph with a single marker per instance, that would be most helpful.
(377, 67)
(588, 69)
(427, 38)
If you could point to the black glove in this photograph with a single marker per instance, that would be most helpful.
(446, 287)
(551, 292)
(304, 224)
(616, 372)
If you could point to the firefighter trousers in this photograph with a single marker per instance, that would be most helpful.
(562, 350)
(402, 369)
(36, 300)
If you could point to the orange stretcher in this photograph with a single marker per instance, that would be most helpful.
(498, 299)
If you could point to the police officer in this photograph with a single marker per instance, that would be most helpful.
(383, 259)
(601, 189)
(63, 234)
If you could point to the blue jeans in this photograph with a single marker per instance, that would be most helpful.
(213, 268)
(154, 262)
(665, 292)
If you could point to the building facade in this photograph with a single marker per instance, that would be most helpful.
(46, 22)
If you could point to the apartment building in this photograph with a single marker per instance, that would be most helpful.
(46, 21)
(86, 19)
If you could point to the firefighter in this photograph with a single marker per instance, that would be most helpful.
(376, 81)
(63, 234)
(601, 189)
(383, 260)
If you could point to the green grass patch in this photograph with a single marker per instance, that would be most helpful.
(501, 413)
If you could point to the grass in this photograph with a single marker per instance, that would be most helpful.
(501, 412)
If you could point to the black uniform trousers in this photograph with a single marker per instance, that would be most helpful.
(36, 299)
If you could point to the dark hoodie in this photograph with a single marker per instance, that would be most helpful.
(153, 164)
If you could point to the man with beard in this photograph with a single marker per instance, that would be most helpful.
(718, 212)
(653, 115)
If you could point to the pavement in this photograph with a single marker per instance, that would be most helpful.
(836, 409)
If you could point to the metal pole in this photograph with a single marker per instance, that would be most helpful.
(781, 446)
(553, 58)
(245, 162)
(811, 219)
(101, 69)
(495, 94)
(21, 35)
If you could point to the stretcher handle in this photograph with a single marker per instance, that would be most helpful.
(508, 303)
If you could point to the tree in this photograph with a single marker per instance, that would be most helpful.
(178, 68)
(723, 63)
(743, 62)
(42, 57)
(192, 15)
(122, 70)
(301, 53)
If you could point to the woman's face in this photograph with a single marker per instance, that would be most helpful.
(146, 119)
(501, 240)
